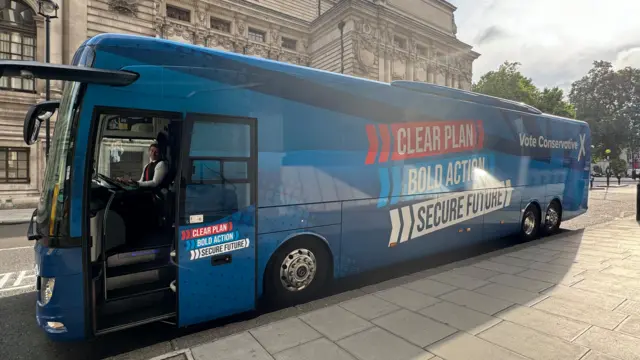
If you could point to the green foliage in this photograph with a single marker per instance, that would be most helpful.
(551, 101)
(508, 83)
(618, 167)
(609, 101)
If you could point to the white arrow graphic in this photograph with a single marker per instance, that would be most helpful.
(407, 222)
(395, 227)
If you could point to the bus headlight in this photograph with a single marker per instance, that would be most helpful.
(46, 289)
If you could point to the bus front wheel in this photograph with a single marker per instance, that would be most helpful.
(530, 226)
(297, 272)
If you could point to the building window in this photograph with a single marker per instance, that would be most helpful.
(17, 40)
(289, 43)
(256, 35)
(178, 13)
(399, 42)
(14, 165)
(221, 25)
(421, 50)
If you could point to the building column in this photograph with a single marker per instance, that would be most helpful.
(381, 62)
(56, 42)
(410, 68)
(74, 27)
(388, 59)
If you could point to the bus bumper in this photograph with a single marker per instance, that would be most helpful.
(60, 323)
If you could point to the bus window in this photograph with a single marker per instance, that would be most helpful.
(219, 157)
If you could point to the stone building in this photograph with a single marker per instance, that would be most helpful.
(383, 40)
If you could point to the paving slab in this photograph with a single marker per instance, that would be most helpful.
(569, 278)
(607, 302)
(406, 298)
(414, 328)
(284, 334)
(629, 307)
(582, 312)
(499, 267)
(369, 307)
(461, 281)
(335, 322)
(236, 347)
(510, 260)
(622, 271)
(612, 343)
(463, 346)
(430, 287)
(459, 317)
(511, 294)
(630, 326)
(379, 344)
(478, 272)
(550, 324)
(320, 349)
(476, 301)
(593, 355)
(531, 343)
(521, 282)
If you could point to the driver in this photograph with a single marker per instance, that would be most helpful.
(154, 171)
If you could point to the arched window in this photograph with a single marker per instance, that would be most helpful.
(17, 40)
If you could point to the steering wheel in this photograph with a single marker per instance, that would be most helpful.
(112, 182)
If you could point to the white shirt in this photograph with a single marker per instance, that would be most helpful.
(158, 174)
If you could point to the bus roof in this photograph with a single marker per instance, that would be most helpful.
(116, 39)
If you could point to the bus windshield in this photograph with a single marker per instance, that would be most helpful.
(52, 208)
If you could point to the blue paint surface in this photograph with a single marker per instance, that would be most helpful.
(312, 176)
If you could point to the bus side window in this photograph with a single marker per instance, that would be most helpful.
(219, 183)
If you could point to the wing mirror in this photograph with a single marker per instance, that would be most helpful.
(36, 115)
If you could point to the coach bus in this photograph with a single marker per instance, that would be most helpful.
(186, 184)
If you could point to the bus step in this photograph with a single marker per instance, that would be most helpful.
(135, 256)
(138, 267)
(157, 311)
(136, 290)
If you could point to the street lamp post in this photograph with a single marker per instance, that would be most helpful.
(49, 10)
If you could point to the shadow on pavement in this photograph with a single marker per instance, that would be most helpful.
(22, 339)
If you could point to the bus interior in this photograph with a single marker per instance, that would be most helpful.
(132, 228)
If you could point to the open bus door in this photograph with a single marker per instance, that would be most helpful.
(217, 250)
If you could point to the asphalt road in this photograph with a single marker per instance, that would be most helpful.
(22, 339)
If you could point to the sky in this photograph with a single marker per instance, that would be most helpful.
(556, 41)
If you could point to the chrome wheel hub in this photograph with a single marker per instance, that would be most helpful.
(298, 270)
(552, 217)
(529, 224)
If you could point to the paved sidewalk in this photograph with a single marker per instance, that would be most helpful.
(572, 296)
(15, 216)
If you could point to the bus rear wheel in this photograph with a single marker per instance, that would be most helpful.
(530, 226)
(297, 272)
(553, 218)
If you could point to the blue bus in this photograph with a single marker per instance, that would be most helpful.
(186, 184)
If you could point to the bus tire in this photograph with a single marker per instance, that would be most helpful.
(297, 272)
(553, 218)
(530, 225)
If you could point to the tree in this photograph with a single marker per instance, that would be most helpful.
(508, 83)
(618, 168)
(609, 101)
(552, 101)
